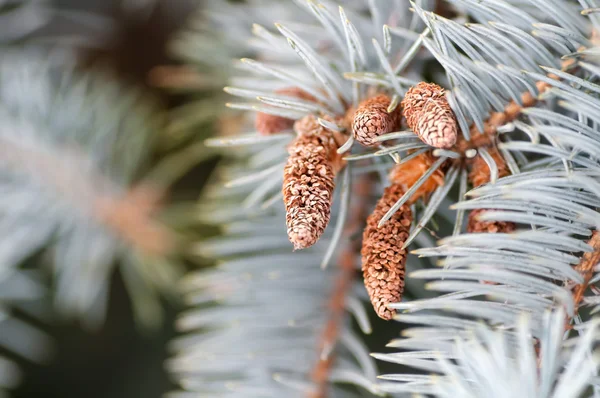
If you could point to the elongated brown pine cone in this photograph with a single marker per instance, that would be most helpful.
(372, 119)
(479, 175)
(267, 124)
(407, 173)
(308, 182)
(429, 115)
(383, 259)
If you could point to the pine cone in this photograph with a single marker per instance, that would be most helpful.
(267, 124)
(476, 226)
(308, 182)
(429, 115)
(383, 259)
(372, 119)
(407, 173)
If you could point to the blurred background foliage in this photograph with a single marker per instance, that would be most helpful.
(129, 41)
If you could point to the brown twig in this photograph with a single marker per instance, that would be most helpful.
(331, 332)
(336, 305)
(511, 112)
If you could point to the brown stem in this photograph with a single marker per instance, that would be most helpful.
(336, 304)
(330, 333)
(490, 127)
(511, 112)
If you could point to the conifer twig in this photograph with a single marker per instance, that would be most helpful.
(131, 218)
(336, 304)
(511, 112)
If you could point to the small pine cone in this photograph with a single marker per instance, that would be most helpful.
(267, 124)
(308, 183)
(407, 173)
(480, 172)
(476, 226)
(372, 119)
(429, 115)
(383, 259)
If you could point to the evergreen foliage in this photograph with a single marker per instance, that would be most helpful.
(508, 315)
(75, 205)
(448, 149)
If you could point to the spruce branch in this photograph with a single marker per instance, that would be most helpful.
(20, 18)
(293, 319)
(511, 112)
(44, 107)
(267, 124)
(528, 134)
(341, 293)
(502, 364)
(21, 291)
